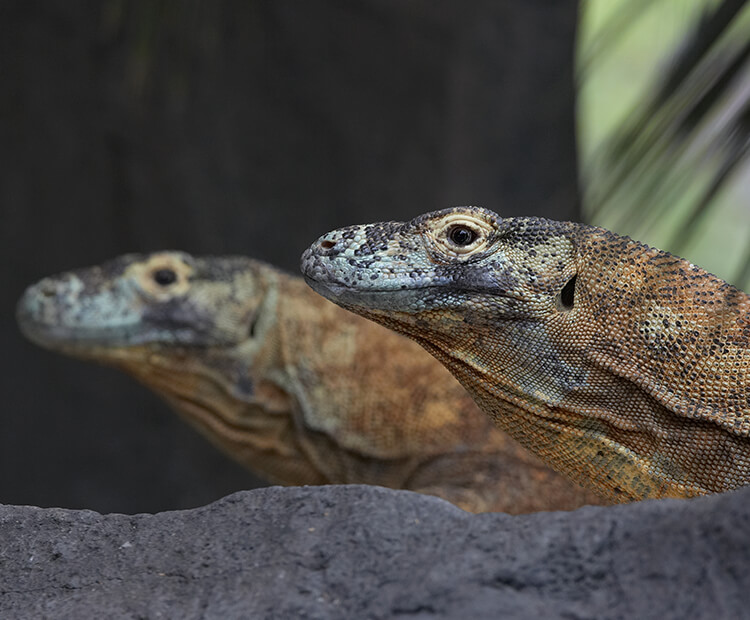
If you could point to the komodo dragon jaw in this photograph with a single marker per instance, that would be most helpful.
(622, 366)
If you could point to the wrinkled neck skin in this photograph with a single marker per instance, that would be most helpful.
(465, 338)
(529, 397)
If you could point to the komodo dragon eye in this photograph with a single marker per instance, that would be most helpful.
(462, 235)
(164, 277)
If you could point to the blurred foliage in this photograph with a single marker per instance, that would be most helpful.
(664, 126)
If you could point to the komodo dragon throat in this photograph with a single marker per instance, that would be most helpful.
(287, 383)
(620, 365)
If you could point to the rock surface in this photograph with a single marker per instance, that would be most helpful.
(367, 552)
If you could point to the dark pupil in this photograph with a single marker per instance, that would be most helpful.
(462, 236)
(164, 277)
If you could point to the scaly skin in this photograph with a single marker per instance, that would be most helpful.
(620, 365)
(287, 383)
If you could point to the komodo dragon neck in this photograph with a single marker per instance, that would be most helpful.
(620, 365)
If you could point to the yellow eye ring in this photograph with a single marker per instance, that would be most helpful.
(163, 275)
(457, 236)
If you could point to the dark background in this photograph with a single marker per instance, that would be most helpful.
(245, 127)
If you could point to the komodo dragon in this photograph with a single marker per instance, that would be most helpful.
(287, 383)
(620, 365)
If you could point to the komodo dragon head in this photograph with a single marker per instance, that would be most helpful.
(148, 313)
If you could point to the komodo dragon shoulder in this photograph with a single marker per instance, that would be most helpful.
(620, 365)
(287, 383)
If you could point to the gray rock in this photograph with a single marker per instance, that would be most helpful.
(367, 552)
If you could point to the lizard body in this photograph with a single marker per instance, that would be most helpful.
(620, 365)
(287, 383)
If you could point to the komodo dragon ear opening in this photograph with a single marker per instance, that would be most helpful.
(567, 295)
(252, 328)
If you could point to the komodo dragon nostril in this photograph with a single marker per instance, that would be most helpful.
(327, 244)
(48, 289)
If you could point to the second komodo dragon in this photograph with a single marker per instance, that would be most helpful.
(621, 365)
(287, 383)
